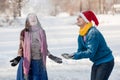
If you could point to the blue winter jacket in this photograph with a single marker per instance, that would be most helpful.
(93, 47)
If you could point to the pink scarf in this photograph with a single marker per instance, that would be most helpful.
(27, 51)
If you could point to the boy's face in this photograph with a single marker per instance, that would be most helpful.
(80, 21)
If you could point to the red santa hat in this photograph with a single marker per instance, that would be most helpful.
(89, 16)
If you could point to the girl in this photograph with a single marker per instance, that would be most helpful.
(92, 45)
(33, 51)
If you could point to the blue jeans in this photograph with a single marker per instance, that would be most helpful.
(37, 71)
(102, 71)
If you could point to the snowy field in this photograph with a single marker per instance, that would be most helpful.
(61, 34)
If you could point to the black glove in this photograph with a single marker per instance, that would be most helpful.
(15, 61)
(67, 56)
(54, 58)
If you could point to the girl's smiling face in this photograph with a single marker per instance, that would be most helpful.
(32, 19)
(80, 21)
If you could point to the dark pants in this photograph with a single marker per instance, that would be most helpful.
(102, 71)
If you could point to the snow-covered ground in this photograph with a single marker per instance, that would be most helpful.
(61, 37)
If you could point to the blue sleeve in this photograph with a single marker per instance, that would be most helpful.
(80, 43)
(92, 43)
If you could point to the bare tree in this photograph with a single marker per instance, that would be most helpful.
(89, 4)
(16, 6)
(80, 5)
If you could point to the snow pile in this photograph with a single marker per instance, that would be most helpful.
(64, 14)
(109, 19)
